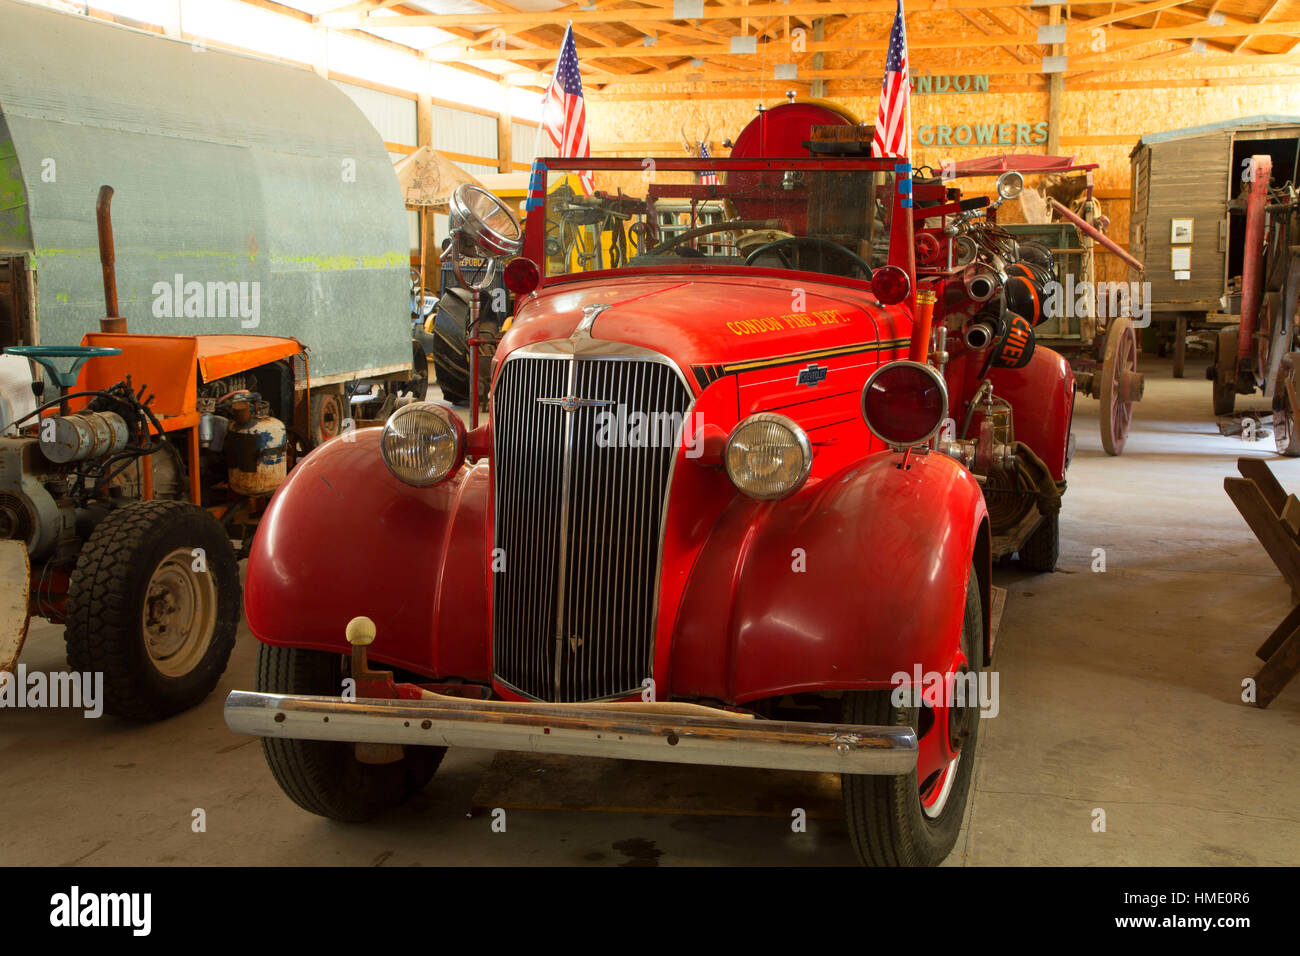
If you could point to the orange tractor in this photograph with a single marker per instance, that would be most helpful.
(125, 470)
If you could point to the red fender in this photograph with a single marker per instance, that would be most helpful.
(343, 537)
(1041, 396)
(887, 554)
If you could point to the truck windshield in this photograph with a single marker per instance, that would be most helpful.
(831, 221)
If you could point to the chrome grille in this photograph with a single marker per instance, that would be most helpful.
(578, 512)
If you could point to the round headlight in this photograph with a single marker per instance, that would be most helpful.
(423, 443)
(768, 456)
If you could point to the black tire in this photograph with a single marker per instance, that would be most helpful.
(324, 776)
(886, 822)
(110, 594)
(1041, 551)
(451, 351)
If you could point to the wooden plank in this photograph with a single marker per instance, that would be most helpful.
(1268, 528)
(962, 41)
(505, 148)
(1278, 671)
(1289, 625)
(997, 604)
(562, 15)
(1257, 470)
(1291, 514)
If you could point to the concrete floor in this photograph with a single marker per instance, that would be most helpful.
(1120, 691)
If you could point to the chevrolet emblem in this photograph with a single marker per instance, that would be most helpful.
(812, 376)
(571, 403)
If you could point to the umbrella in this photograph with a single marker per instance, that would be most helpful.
(428, 178)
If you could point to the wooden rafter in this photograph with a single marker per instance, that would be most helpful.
(1078, 32)
(612, 36)
(721, 12)
(1262, 17)
(1115, 64)
(1014, 51)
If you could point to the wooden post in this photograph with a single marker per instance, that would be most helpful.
(428, 242)
(505, 145)
(818, 89)
(1055, 93)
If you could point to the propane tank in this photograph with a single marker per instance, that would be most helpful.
(256, 444)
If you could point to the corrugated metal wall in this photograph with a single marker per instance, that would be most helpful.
(394, 118)
(473, 134)
(524, 139)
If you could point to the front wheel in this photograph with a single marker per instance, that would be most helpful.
(324, 776)
(153, 603)
(913, 820)
(1041, 551)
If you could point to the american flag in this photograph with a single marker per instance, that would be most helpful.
(564, 111)
(708, 177)
(894, 118)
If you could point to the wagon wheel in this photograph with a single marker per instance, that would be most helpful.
(1121, 385)
(1285, 431)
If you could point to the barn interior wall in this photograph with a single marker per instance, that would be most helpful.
(1099, 126)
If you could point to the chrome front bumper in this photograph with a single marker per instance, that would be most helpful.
(667, 732)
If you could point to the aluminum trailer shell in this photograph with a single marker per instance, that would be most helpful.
(586, 730)
(228, 169)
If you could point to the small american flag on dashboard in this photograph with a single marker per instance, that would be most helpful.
(894, 119)
(564, 111)
(708, 177)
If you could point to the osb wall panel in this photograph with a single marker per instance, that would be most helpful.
(1086, 116)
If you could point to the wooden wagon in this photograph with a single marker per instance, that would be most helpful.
(1188, 226)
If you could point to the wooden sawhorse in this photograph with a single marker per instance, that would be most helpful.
(1274, 517)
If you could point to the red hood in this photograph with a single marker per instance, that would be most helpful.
(710, 319)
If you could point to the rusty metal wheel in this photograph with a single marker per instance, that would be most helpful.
(179, 616)
(1121, 384)
(327, 412)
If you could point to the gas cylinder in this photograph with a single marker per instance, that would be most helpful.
(256, 446)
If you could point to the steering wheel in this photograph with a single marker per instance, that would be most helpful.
(45, 354)
(815, 241)
(728, 225)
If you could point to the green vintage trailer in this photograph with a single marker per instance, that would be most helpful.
(251, 196)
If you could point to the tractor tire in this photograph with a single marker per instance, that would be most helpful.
(146, 610)
(888, 825)
(324, 777)
(1041, 551)
(451, 352)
